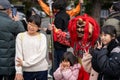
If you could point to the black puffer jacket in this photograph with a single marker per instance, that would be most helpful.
(106, 61)
(8, 31)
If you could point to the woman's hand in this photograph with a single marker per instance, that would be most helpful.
(20, 62)
(51, 27)
(18, 76)
(86, 52)
(99, 45)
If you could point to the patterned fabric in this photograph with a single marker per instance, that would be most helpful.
(61, 37)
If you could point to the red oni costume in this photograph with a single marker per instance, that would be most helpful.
(79, 44)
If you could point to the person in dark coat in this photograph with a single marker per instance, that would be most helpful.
(114, 17)
(8, 31)
(106, 56)
(61, 22)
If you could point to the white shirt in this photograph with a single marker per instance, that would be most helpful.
(32, 50)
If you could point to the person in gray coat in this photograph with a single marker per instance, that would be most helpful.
(8, 31)
(114, 17)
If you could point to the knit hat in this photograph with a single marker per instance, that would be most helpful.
(5, 4)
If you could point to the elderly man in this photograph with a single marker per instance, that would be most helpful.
(8, 31)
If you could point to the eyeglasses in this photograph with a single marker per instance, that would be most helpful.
(32, 24)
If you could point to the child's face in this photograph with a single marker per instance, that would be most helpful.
(32, 28)
(106, 38)
(65, 63)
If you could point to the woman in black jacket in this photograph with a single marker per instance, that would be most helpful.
(106, 56)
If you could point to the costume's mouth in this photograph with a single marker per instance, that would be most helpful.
(80, 32)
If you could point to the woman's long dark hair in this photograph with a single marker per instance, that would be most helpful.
(111, 30)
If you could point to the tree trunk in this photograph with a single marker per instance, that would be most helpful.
(96, 10)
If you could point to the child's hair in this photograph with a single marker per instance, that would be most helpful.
(68, 56)
(109, 29)
(36, 19)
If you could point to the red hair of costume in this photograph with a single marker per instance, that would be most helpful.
(73, 33)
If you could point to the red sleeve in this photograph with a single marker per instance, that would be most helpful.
(60, 37)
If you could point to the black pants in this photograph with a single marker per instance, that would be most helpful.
(7, 77)
(40, 75)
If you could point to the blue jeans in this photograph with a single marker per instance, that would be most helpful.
(40, 75)
(57, 59)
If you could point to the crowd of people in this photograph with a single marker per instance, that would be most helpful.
(23, 48)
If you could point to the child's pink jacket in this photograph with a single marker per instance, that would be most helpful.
(68, 74)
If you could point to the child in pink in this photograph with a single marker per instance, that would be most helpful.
(68, 69)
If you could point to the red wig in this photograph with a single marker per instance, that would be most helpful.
(73, 33)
